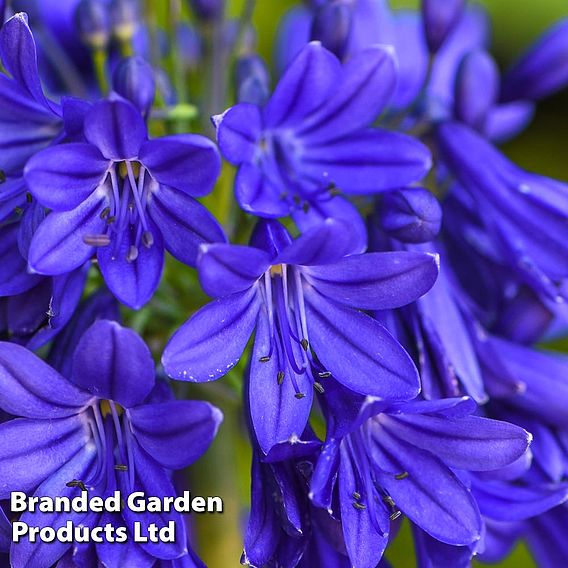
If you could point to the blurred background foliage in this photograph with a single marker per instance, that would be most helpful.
(225, 469)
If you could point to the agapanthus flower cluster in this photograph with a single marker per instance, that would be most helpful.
(382, 281)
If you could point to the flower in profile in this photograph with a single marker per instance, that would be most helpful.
(102, 429)
(34, 308)
(313, 138)
(391, 458)
(28, 119)
(303, 298)
(516, 206)
(125, 197)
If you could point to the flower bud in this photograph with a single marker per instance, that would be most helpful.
(208, 9)
(133, 79)
(411, 215)
(124, 19)
(543, 70)
(440, 18)
(332, 25)
(93, 23)
(252, 80)
(477, 89)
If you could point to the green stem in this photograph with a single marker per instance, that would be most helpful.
(100, 63)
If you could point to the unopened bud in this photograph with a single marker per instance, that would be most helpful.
(133, 79)
(411, 215)
(93, 23)
(332, 25)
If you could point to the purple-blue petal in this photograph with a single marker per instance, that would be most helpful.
(277, 415)
(33, 450)
(32, 389)
(112, 362)
(305, 85)
(185, 224)
(361, 92)
(188, 162)
(116, 128)
(62, 177)
(212, 341)
(470, 443)
(359, 352)
(175, 433)
(58, 246)
(368, 161)
(376, 281)
(225, 269)
(238, 133)
(133, 282)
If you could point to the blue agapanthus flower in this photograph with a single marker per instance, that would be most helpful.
(104, 428)
(303, 298)
(313, 138)
(125, 197)
(391, 458)
(29, 120)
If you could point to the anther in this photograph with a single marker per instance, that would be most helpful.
(29, 197)
(280, 377)
(121, 467)
(264, 359)
(394, 515)
(333, 189)
(388, 500)
(324, 375)
(147, 239)
(306, 207)
(96, 240)
(402, 475)
(2, 176)
(304, 343)
(18, 210)
(356, 495)
(359, 506)
(132, 253)
(319, 387)
(111, 220)
(105, 213)
(299, 395)
(297, 200)
(76, 483)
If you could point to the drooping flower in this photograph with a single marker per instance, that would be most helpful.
(393, 458)
(102, 428)
(29, 120)
(33, 308)
(516, 206)
(314, 137)
(302, 297)
(125, 197)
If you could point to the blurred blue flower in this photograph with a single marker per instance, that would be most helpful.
(313, 138)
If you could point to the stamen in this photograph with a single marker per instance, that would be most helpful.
(280, 377)
(304, 343)
(319, 387)
(359, 506)
(299, 395)
(105, 213)
(132, 253)
(324, 375)
(264, 359)
(402, 475)
(96, 240)
(147, 239)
